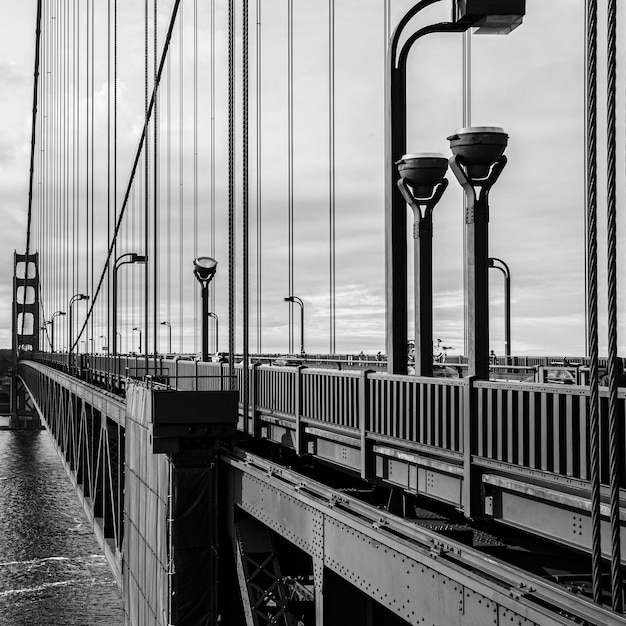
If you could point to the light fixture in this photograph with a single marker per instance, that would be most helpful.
(478, 148)
(423, 171)
(204, 268)
(491, 17)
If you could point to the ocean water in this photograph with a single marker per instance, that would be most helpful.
(52, 571)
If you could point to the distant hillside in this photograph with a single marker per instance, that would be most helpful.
(6, 360)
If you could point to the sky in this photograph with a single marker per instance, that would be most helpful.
(530, 82)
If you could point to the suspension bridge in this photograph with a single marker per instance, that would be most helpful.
(193, 164)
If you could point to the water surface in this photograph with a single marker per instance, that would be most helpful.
(52, 571)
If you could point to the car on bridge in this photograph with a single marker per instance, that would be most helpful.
(287, 362)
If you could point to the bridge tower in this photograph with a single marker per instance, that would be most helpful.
(25, 335)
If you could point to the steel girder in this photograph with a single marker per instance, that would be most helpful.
(415, 573)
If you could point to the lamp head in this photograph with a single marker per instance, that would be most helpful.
(138, 258)
(423, 171)
(204, 268)
(491, 17)
(478, 148)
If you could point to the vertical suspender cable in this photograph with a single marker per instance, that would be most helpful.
(259, 224)
(87, 153)
(592, 292)
(231, 191)
(113, 338)
(78, 159)
(181, 180)
(467, 121)
(155, 201)
(195, 157)
(168, 174)
(52, 161)
(146, 200)
(32, 146)
(108, 309)
(614, 426)
(245, 222)
(290, 163)
(74, 159)
(65, 143)
(331, 167)
(213, 32)
(93, 137)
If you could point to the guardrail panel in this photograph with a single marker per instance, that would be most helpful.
(276, 392)
(543, 427)
(427, 411)
(331, 396)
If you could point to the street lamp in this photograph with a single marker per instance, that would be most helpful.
(55, 314)
(494, 17)
(422, 184)
(477, 162)
(217, 337)
(204, 268)
(45, 330)
(499, 264)
(129, 257)
(137, 329)
(75, 298)
(169, 327)
(298, 301)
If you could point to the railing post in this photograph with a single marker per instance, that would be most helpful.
(255, 429)
(299, 399)
(367, 455)
(471, 481)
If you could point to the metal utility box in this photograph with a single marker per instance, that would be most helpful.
(187, 419)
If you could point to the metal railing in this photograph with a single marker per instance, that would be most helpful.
(543, 427)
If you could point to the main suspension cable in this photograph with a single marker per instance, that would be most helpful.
(32, 151)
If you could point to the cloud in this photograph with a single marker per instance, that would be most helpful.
(10, 75)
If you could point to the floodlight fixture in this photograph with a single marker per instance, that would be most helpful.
(478, 148)
(204, 268)
(490, 17)
(423, 171)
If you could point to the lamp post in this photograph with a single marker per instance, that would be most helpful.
(169, 327)
(125, 259)
(477, 162)
(422, 184)
(499, 264)
(299, 302)
(45, 330)
(55, 314)
(217, 337)
(137, 329)
(75, 298)
(105, 346)
(204, 268)
(500, 17)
